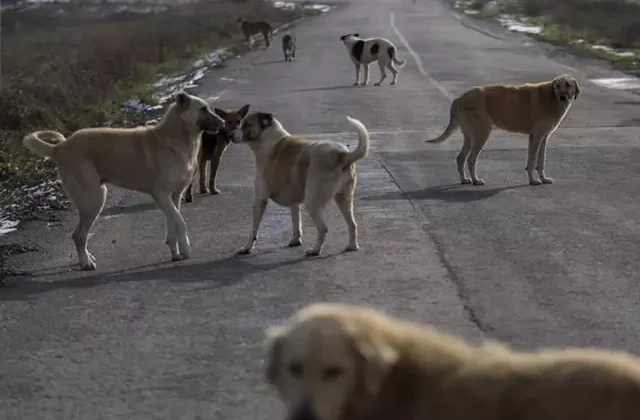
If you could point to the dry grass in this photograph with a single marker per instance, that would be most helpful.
(69, 70)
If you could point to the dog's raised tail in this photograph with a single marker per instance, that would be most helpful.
(43, 148)
(363, 142)
(453, 124)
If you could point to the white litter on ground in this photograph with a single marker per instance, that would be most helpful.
(613, 51)
(7, 226)
(618, 82)
(516, 24)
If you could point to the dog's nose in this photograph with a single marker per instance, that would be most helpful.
(303, 412)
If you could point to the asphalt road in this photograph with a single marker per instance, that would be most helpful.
(143, 338)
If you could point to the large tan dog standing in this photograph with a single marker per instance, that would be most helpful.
(343, 362)
(535, 109)
(293, 170)
(159, 161)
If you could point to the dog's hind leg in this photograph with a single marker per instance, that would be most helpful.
(315, 202)
(481, 133)
(394, 71)
(84, 190)
(383, 72)
(296, 223)
(176, 226)
(541, 161)
(344, 200)
(461, 159)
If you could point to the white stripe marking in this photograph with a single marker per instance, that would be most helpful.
(421, 69)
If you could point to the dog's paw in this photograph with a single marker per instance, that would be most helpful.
(295, 242)
(91, 257)
(244, 251)
(178, 257)
(351, 248)
(377, 84)
(215, 191)
(88, 266)
(393, 83)
(547, 180)
(312, 253)
(478, 182)
(465, 181)
(356, 84)
(535, 182)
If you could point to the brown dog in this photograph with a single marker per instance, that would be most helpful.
(536, 109)
(158, 161)
(343, 362)
(213, 146)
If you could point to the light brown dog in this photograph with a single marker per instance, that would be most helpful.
(536, 109)
(213, 147)
(292, 171)
(250, 28)
(159, 161)
(343, 362)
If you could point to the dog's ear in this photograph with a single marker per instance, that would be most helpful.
(577, 87)
(375, 359)
(182, 100)
(221, 113)
(265, 119)
(273, 350)
(244, 110)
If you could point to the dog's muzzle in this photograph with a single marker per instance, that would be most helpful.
(236, 136)
(302, 412)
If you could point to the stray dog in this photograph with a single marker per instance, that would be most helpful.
(158, 160)
(253, 28)
(364, 51)
(289, 47)
(213, 147)
(536, 109)
(346, 362)
(294, 170)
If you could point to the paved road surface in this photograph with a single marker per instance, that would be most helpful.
(552, 265)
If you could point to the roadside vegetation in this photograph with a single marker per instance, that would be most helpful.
(67, 65)
(609, 29)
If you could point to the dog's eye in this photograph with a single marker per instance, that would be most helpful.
(295, 369)
(332, 373)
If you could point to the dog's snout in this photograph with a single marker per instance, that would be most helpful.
(303, 412)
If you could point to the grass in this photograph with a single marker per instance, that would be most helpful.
(581, 23)
(67, 66)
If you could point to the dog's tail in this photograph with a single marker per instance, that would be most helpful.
(363, 142)
(453, 124)
(394, 58)
(43, 148)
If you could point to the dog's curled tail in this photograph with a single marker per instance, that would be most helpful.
(453, 124)
(363, 142)
(43, 148)
(394, 57)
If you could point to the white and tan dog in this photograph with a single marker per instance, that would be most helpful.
(364, 51)
(158, 160)
(293, 170)
(345, 362)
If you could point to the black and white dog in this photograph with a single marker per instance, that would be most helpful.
(364, 51)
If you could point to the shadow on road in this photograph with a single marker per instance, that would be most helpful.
(264, 63)
(221, 273)
(136, 208)
(323, 88)
(454, 193)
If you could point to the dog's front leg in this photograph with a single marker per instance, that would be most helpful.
(296, 225)
(541, 161)
(259, 207)
(357, 66)
(534, 147)
(176, 226)
(366, 74)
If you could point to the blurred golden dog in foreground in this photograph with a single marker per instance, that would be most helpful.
(342, 362)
